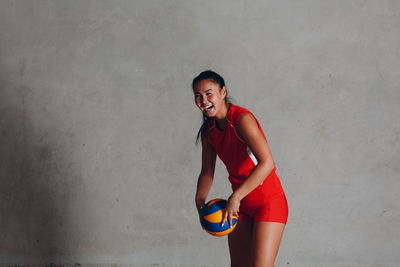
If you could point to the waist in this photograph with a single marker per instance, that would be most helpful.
(271, 186)
(235, 180)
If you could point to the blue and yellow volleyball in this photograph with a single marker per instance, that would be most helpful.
(211, 218)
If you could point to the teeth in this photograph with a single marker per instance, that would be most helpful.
(209, 107)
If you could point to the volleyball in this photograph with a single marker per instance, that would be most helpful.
(211, 218)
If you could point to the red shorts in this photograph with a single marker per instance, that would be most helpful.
(267, 202)
(273, 210)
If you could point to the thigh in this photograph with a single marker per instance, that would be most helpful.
(266, 240)
(274, 210)
(240, 241)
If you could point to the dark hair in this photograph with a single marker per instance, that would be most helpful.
(210, 75)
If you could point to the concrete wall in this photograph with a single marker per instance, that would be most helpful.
(98, 162)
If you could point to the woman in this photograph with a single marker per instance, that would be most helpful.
(258, 199)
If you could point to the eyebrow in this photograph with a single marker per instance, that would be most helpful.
(206, 91)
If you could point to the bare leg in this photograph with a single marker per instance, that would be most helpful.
(266, 240)
(240, 241)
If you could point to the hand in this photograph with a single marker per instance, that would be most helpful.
(232, 209)
(199, 205)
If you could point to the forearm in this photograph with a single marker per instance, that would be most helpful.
(257, 176)
(204, 184)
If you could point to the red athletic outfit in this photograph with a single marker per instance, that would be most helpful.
(267, 202)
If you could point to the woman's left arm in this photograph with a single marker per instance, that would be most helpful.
(252, 135)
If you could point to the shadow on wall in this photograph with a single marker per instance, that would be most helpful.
(35, 182)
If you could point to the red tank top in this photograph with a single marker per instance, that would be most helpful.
(235, 153)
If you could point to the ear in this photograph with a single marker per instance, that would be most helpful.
(223, 91)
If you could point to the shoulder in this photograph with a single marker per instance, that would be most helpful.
(247, 122)
(249, 128)
(238, 112)
(239, 109)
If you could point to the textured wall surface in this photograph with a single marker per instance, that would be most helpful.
(97, 157)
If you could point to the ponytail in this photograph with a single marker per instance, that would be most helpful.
(202, 129)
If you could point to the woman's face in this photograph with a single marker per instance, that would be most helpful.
(209, 97)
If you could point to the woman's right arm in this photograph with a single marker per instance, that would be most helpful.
(207, 173)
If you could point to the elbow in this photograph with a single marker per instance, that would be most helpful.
(267, 166)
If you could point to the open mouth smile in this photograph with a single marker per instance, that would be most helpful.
(208, 108)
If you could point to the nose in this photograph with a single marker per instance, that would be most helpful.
(203, 100)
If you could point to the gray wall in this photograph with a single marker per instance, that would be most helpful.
(98, 162)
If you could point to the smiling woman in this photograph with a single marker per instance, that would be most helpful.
(258, 199)
(210, 94)
(210, 99)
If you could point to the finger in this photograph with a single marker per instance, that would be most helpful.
(224, 217)
(199, 210)
(230, 220)
(200, 206)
